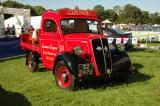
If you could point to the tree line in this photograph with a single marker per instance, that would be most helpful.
(35, 10)
(126, 14)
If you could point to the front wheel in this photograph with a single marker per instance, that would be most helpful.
(63, 77)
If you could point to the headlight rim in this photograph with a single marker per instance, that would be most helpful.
(77, 50)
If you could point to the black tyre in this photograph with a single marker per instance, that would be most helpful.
(64, 79)
(33, 65)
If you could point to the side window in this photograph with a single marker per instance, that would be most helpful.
(50, 26)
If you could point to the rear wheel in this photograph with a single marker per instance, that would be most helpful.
(33, 65)
(64, 79)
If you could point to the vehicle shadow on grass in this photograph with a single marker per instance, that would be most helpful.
(136, 50)
(117, 81)
(144, 50)
(12, 98)
(42, 69)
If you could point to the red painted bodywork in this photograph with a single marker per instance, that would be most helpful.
(52, 44)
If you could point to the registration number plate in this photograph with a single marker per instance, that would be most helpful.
(85, 69)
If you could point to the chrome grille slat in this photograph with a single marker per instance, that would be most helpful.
(103, 60)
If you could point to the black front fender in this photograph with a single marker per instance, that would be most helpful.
(121, 62)
(71, 60)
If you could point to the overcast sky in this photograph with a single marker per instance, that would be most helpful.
(149, 5)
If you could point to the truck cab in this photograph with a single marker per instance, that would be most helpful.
(72, 45)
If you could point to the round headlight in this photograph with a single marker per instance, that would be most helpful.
(121, 47)
(77, 50)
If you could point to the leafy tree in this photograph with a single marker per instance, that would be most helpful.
(110, 15)
(117, 9)
(39, 10)
(155, 18)
(131, 11)
(145, 17)
(100, 12)
(12, 4)
(76, 7)
(130, 14)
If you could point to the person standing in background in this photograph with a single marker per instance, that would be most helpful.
(13, 30)
(30, 30)
(24, 29)
(34, 37)
(8, 30)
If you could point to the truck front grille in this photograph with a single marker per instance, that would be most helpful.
(101, 54)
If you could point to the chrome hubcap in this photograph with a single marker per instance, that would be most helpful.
(64, 76)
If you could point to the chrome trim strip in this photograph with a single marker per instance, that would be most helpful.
(94, 54)
(103, 54)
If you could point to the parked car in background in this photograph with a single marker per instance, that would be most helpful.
(114, 33)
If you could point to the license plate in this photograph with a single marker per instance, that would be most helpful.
(85, 69)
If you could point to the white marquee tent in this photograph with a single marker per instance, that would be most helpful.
(18, 22)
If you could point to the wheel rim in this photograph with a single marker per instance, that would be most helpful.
(64, 77)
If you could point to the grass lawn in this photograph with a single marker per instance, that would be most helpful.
(19, 87)
(153, 44)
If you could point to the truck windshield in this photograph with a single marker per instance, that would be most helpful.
(80, 26)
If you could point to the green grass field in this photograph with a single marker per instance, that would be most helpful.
(19, 87)
(153, 44)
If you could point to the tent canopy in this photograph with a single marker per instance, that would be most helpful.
(107, 22)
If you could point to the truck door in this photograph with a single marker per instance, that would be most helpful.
(49, 42)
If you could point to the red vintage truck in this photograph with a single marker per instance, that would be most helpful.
(72, 45)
